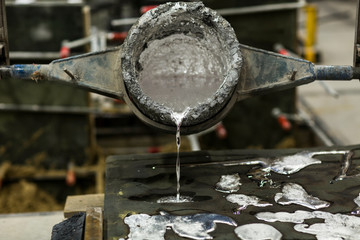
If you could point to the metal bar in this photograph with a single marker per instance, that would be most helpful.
(124, 21)
(315, 124)
(4, 41)
(329, 90)
(231, 11)
(357, 37)
(78, 42)
(323, 72)
(261, 8)
(48, 109)
(34, 55)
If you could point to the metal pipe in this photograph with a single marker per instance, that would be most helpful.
(323, 72)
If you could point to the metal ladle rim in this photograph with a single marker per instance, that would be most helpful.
(205, 113)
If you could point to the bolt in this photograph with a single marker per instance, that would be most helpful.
(292, 78)
(71, 75)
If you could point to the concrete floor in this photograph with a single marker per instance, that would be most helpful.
(338, 117)
(29, 226)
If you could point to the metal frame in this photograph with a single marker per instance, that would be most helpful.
(4, 42)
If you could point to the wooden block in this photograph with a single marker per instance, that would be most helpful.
(80, 203)
(94, 224)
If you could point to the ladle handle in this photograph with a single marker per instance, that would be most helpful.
(98, 72)
(324, 72)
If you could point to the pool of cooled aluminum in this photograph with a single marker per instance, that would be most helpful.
(135, 182)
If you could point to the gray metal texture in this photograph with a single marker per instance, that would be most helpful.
(97, 72)
(169, 19)
(135, 182)
(265, 71)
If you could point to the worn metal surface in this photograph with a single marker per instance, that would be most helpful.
(264, 71)
(135, 182)
(97, 72)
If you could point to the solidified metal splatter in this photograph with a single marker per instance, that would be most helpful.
(175, 199)
(346, 164)
(141, 225)
(335, 226)
(257, 231)
(296, 217)
(244, 201)
(293, 193)
(198, 226)
(356, 211)
(228, 183)
(282, 165)
(293, 163)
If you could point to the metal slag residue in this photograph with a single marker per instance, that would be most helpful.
(257, 231)
(228, 183)
(198, 226)
(293, 193)
(335, 226)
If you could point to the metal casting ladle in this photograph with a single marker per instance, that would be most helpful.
(210, 44)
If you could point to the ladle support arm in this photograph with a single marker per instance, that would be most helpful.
(97, 72)
(324, 72)
(264, 71)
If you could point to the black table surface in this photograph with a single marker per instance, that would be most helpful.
(135, 182)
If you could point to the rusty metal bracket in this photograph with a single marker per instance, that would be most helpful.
(4, 42)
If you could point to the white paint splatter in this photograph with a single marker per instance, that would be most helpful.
(244, 201)
(293, 193)
(258, 231)
(228, 183)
